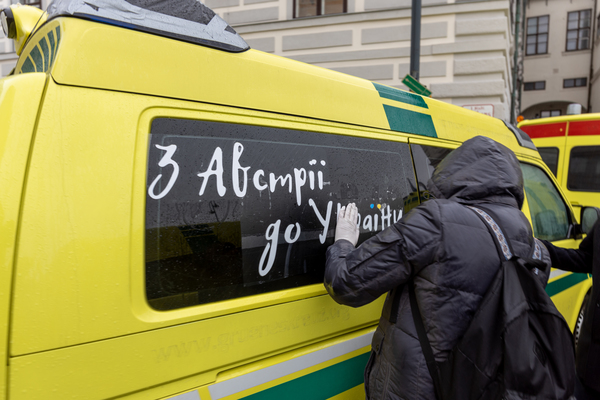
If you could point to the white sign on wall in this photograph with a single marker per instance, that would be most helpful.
(487, 109)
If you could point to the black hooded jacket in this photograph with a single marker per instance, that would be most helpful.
(450, 254)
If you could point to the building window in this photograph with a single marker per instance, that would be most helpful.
(578, 30)
(537, 35)
(549, 113)
(539, 85)
(34, 3)
(311, 8)
(575, 82)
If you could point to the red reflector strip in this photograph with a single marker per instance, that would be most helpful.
(584, 128)
(547, 130)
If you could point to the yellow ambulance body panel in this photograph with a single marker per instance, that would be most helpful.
(112, 139)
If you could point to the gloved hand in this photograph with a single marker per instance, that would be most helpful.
(347, 224)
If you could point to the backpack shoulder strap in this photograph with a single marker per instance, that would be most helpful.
(424, 340)
(502, 245)
(502, 242)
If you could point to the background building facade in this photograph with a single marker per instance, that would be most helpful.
(560, 45)
(467, 47)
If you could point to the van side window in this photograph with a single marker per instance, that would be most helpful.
(425, 158)
(237, 210)
(549, 214)
(584, 169)
(550, 157)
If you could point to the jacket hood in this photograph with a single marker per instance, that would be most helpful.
(481, 170)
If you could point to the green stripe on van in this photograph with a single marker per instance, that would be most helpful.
(400, 95)
(565, 283)
(321, 384)
(407, 121)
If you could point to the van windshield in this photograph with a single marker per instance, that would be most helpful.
(549, 214)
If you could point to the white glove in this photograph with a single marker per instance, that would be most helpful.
(347, 227)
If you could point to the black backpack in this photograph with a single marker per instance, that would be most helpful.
(518, 346)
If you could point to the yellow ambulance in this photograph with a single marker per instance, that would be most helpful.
(570, 146)
(168, 195)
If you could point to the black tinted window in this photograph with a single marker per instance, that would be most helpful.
(584, 169)
(550, 157)
(237, 210)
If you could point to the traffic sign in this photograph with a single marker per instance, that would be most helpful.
(415, 85)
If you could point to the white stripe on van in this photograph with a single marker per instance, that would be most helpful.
(557, 272)
(187, 396)
(244, 382)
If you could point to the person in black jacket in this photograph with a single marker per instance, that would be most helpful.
(586, 259)
(448, 252)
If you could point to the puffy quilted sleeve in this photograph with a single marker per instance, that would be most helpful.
(574, 260)
(357, 276)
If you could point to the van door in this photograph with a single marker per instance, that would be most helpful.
(169, 246)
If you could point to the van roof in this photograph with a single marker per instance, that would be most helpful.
(561, 118)
(107, 56)
(187, 20)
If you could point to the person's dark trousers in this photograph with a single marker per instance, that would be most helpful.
(583, 393)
